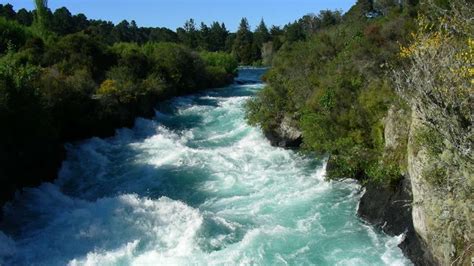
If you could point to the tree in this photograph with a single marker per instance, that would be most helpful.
(365, 5)
(294, 32)
(162, 35)
(260, 37)
(218, 36)
(103, 30)
(42, 14)
(310, 23)
(13, 35)
(24, 17)
(329, 18)
(276, 33)
(7, 11)
(204, 37)
(242, 46)
(122, 32)
(384, 6)
(229, 42)
(81, 22)
(135, 32)
(62, 21)
(261, 34)
(187, 35)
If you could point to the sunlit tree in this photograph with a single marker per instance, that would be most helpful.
(41, 15)
(242, 47)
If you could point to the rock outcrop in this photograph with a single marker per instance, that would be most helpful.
(390, 207)
(432, 204)
(390, 210)
(442, 184)
(287, 135)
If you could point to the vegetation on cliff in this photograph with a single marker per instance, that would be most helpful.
(337, 85)
(437, 82)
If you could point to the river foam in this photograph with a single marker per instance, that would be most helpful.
(193, 186)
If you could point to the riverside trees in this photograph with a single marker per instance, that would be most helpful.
(251, 47)
(64, 78)
(333, 81)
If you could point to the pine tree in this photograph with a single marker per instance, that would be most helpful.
(242, 47)
(261, 36)
(218, 36)
(188, 34)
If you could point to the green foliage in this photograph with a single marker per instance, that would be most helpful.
(431, 139)
(28, 134)
(7, 11)
(78, 51)
(333, 79)
(24, 17)
(263, 110)
(62, 21)
(217, 38)
(251, 48)
(387, 173)
(242, 47)
(12, 35)
(222, 60)
(41, 19)
(221, 67)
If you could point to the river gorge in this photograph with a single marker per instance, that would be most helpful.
(195, 185)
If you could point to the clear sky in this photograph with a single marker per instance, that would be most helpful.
(173, 13)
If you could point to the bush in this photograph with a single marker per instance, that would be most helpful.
(12, 35)
(226, 61)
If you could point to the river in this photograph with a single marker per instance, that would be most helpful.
(195, 185)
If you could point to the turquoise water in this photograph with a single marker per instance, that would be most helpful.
(195, 185)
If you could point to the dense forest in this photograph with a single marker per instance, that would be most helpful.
(249, 47)
(386, 93)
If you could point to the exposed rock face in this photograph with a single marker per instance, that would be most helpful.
(442, 197)
(287, 135)
(396, 128)
(432, 205)
(390, 210)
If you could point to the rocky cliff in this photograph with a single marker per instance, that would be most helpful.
(432, 203)
(286, 135)
(390, 208)
(442, 185)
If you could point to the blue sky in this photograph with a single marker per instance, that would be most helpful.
(173, 13)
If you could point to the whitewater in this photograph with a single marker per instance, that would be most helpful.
(195, 185)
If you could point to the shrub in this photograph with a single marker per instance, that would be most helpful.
(12, 35)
